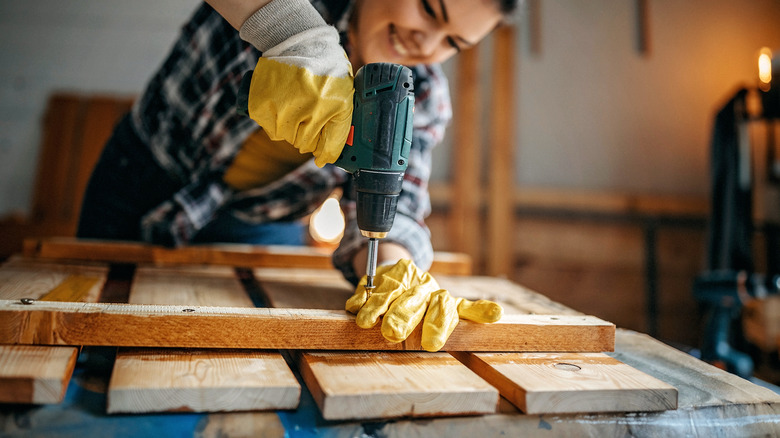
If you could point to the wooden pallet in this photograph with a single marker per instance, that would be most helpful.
(346, 385)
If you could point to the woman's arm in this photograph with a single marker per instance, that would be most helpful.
(236, 12)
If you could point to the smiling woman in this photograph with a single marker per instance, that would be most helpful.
(185, 167)
(420, 31)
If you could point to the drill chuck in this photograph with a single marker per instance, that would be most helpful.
(377, 199)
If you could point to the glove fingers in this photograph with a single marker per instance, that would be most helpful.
(483, 311)
(440, 321)
(406, 312)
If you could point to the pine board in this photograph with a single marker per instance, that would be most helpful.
(234, 255)
(40, 374)
(135, 325)
(162, 380)
(565, 383)
(387, 385)
(35, 374)
(194, 380)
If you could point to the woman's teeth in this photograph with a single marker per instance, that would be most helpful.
(395, 41)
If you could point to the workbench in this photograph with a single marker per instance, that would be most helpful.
(710, 403)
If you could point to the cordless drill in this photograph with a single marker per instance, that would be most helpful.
(377, 149)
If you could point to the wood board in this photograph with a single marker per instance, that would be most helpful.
(565, 383)
(132, 325)
(234, 255)
(195, 380)
(40, 374)
(35, 374)
(161, 380)
(391, 384)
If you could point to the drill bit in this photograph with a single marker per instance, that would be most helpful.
(373, 247)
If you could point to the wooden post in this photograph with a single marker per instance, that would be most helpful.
(466, 162)
(502, 139)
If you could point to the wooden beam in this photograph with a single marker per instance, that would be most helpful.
(501, 177)
(368, 385)
(567, 383)
(59, 248)
(229, 327)
(466, 158)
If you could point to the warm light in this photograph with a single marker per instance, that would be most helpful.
(765, 68)
(327, 222)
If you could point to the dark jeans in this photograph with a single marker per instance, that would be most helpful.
(127, 183)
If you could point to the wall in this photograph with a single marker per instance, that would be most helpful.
(593, 112)
(105, 46)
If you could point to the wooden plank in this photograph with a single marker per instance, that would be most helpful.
(35, 374)
(40, 374)
(179, 380)
(235, 255)
(40, 280)
(565, 383)
(501, 178)
(188, 285)
(160, 380)
(233, 327)
(387, 385)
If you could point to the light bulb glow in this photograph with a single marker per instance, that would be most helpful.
(327, 222)
(765, 68)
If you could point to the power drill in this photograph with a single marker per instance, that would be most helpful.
(377, 149)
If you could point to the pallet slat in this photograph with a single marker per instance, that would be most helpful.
(198, 380)
(129, 325)
(40, 374)
(348, 386)
(566, 383)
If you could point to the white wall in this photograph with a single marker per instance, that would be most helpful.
(110, 46)
(592, 112)
(595, 114)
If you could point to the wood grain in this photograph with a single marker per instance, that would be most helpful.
(168, 380)
(35, 374)
(40, 374)
(28, 278)
(160, 380)
(387, 385)
(548, 383)
(230, 327)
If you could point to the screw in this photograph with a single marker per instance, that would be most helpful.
(27, 300)
(188, 310)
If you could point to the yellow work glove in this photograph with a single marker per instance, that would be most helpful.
(404, 294)
(301, 89)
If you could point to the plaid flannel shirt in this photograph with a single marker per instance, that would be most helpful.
(188, 119)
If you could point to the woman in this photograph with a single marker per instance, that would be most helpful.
(185, 167)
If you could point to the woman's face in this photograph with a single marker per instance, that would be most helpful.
(413, 32)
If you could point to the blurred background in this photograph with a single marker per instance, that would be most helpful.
(578, 164)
